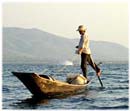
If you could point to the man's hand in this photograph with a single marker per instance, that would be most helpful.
(79, 51)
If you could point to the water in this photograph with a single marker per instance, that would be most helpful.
(114, 95)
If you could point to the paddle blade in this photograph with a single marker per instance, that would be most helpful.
(100, 81)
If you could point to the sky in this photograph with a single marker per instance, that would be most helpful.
(105, 21)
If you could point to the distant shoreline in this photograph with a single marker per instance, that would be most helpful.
(34, 46)
(38, 63)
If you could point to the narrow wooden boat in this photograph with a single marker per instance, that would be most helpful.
(42, 86)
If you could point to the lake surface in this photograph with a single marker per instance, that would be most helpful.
(114, 95)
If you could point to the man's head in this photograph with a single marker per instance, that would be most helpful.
(81, 29)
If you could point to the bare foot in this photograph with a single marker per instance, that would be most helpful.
(99, 73)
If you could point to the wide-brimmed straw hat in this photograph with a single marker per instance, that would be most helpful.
(81, 28)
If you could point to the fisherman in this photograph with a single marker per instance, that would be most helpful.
(85, 52)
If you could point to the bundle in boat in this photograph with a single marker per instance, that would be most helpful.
(76, 79)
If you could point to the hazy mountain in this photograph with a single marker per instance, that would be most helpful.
(37, 46)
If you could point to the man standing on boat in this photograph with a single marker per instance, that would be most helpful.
(85, 52)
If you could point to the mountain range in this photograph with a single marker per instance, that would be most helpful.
(37, 46)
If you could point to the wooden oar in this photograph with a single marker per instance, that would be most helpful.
(100, 81)
(97, 75)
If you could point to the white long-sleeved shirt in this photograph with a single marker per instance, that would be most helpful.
(84, 43)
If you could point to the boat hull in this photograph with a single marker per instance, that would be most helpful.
(40, 86)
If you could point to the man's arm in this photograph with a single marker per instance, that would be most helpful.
(81, 45)
(80, 50)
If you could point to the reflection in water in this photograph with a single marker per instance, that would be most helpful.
(30, 103)
(34, 102)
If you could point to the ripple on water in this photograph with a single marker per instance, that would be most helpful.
(114, 95)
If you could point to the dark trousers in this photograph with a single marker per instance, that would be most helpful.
(86, 58)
